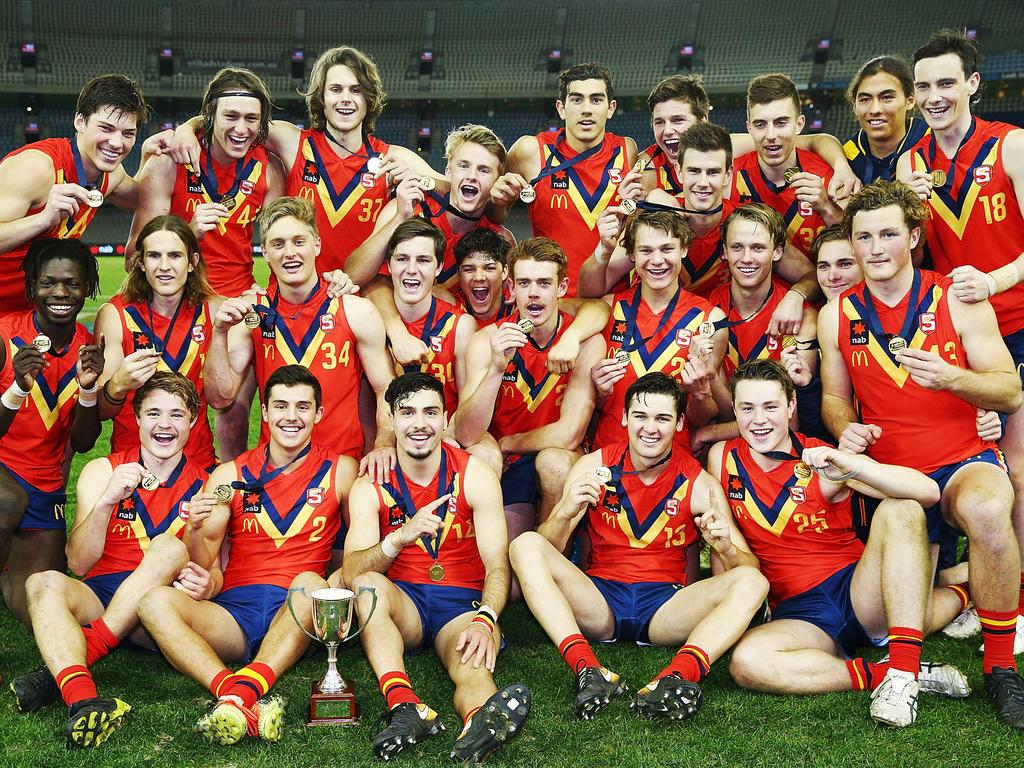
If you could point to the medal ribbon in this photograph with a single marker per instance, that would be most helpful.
(427, 332)
(550, 169)
(322, 168)
(634, 307)
(794, 455)
(727, 323)
(270, 313)
(618, 472)
(910, 320)
(366, 145)
(171, 479)
(644, 205)
(39, 331)
(444, 485)
(446, 206)
(933, 148)
(76, 155)
(538, 347)
(160, 344)
(265, 477)
(208, 177)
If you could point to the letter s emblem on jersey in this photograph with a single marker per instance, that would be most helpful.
(183, 510)
(683, 337)
(198, 334)
(368, 180)
(797, 493)
(771, 343)
(615, 175)
(315, 496)
(927, 322)
(982, 175)
(435, 344)
(805, 210)
(327, 323)
(672, 507)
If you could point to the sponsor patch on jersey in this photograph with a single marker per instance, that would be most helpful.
(327, 322)
(737, 491)
(183, 510)
(683, 336)
(396, 516)
(315, 496)
(615, 175)
(141, 340)
(858, 333)
(195, 187)
(927, 322)
(435, 344)
(310, 174)
(126, 510)
(672, 507)
(198, 334)
(247, 186)
(982, 175)
(560, 181)
(804, 209)
(251, 503)
(368, 180)
(797, 493)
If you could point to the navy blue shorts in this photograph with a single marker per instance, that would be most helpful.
(829, 608)
(519, 481)
(106, 585)
(634, 605)
(1015, 343)
(438, 604)
(253, 606)
(45, 510)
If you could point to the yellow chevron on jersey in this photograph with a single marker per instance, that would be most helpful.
(589, 212)
(302, 351)
(254, 175)
(665, 350)
(534, 396)
(48, 405)
(335, 213)
(142, 535)
(958, 223)
(394, 501)
(78, 225)
(782, 507)
(299, 521)
(654, 528)
(193, 347)
(448, 327)
(897, 373)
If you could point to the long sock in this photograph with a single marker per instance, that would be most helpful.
(220, 683)
(690, 663)
(998, 629)
(469, 715)
(865, 675)
(963, 592)
(577, 652)
(250, 683)
(905, 649)
(1020, 605)
(99, 641)
(75, 684)
(397, 689)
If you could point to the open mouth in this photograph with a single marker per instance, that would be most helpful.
(877, 122)
(748, 271)
(61, 309)
(164, 438)
(480, 295)
(762, 433)
(469, 191)
(411, 284)
(671, 146)
(236, 142)
(420, 439)
(290, 429)
(649, 439)
(111, 155)
(535, 310)
(657, 272)
(291, 267)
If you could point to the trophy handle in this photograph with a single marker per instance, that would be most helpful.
(291, 609)
(373, 607)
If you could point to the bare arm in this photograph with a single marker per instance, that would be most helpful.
(363, 552)
(370, 343)
(26, 182)
(582, 491)
(89, 534)
(156, 183)
(365, 262)
(837, 409)
(205, 543)
(476, 403)
(230, 353)
(483, 492)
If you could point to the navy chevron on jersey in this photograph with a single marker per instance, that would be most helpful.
(869, 168)
(748, 338)
(436, 329)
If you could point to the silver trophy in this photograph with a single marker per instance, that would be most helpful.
(333, 699)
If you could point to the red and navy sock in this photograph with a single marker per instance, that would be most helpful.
(962, 592)
(998, 628)
(1020, 604)
(865, 675)
(250, 683)
(99, 641)
(397, 689)
(905, 649)
(690, 663)
(577, 652)
(220, 683)
(76, 684)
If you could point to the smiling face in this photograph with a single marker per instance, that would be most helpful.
(704, 178)
(586, 110)
(774, 127)
(482, 280)
(236, 124)
(166, 263)
(750, 253)
(837, 269)
(668, 121)
(164, 424)
(943, 91)
(291, 413)
(658, 256)
(472, 170)
(291, 248)
(60, 292)
(414, 266)
(418, 421)
(344, 101)
(882, 107)
(105, 139)
(651, 423)
(882, 242)
(763, 414)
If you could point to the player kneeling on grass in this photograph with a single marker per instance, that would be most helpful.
(644, 502)
(415, 541)
(133, 508)
(790, 496)
(281, 526)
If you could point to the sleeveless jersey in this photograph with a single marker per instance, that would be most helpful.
(921, 428)
(751, 185)
(144, 515)
(506, 310)
(346, 196)
(454, 548)
(34, 445)
(12, 279)
(530, 395)
(664, 170)
(568, 204)
(655, 342)
(749, 340)
(799, 538)
(704, 266)
(227, 250)
(289, 527)
(315, 334)
(436, 329)
(183, 340)
(975, 218)
(869, 168)
(639, 533)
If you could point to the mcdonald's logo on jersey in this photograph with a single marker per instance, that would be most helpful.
(561, 202)
(859, 358)
(124, 530)
(249, 525)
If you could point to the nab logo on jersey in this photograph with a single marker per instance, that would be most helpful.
(126, 510)
(982, 175)
(683, 337)
(251, 503)
(315, 496)
(198, 334)
(310, 174)
(559, 181)
(736, 490)
(858, 333)
(927, 322)
(510, 374)
(193, 183)
(435, 344)
(396, 516)
(268, 330)
(672, 507)
(327, 322)
(618, 332)
(796, 492)
(141, 340)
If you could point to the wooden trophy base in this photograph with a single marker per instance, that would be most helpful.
(333, 708)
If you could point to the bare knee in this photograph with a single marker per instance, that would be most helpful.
(13, 503)
(900, 517)
(155, 605)
(525, 550)
(750, 582)
(308, 581)
(43, 584)
(984, 516)
(747, 659)
(168, 551)
(553, 465)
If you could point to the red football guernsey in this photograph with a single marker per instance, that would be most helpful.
(749, 339)
(436, 329)
(664, 170)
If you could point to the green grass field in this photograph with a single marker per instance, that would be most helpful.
(734, 728)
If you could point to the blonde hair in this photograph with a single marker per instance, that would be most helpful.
(297, 207)
(477, 134)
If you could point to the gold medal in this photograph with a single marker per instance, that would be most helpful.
(251, 320)
(41, 342)
(622, 357)
(373, 165)
(223, 493)
(896, 345)
(938, 178)
(94, 198)
(150, 481)
(526, 325)
(527, 194)
(629, 206)
(707, 328)
(603, 474)
(788, 341)
(228, 202)
(436, 572)
(639, 166)
(801, 470)
(789, 173)
(427, 182)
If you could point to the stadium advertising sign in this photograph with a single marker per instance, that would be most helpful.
(201, 64)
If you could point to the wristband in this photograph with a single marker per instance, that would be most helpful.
(389, 549)
(13, 397)
(993, 286)
(87, 397)
(484, 618)
(110, 398)
(799, 293)
(1003, 279)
